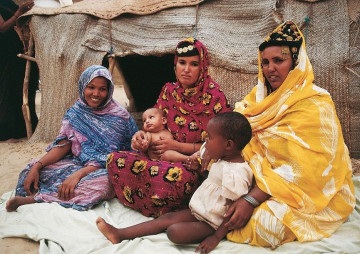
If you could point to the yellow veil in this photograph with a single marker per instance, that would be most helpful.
(298, 156)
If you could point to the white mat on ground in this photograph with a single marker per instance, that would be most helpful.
(64, 230)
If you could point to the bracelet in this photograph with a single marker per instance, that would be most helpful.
(251, 200)
(42, 165)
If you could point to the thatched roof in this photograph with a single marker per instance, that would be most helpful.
(110, 9)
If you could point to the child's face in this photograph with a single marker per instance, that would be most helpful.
(215, 143)
(153, 120)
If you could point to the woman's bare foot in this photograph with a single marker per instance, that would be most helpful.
(111, 233)
(15, 202)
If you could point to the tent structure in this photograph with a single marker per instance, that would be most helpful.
(140, 35)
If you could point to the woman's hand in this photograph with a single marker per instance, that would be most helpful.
(24, 8)
(10, 23)
(163, 144)
(139, 141)
(240, 211)
(31, 182)
(66, 190)
(239, 214)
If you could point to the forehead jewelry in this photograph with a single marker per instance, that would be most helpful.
(285, 51)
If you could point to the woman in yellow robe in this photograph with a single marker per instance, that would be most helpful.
(301, 165)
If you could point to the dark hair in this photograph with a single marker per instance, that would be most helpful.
(183, 49)
(234, 126)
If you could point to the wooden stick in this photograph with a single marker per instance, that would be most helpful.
(112, 60)
(27, 57)
(25, 106)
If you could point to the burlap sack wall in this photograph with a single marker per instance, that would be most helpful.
(352, 65)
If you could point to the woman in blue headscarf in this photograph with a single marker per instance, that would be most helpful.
(73, 171)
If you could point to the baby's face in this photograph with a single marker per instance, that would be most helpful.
(153, 120)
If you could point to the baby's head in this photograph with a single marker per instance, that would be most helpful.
(154, 119)
(231, 126)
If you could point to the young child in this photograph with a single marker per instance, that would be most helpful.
(230, 178)
(154, 126)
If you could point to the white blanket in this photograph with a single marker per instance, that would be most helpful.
(64, 230)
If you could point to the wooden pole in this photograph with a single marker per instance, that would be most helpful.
(26, 57)
(112, 64)
(25, 106)
(112, 60)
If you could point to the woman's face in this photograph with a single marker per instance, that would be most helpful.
(96, 92)
(187, 70)
(276, 65)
